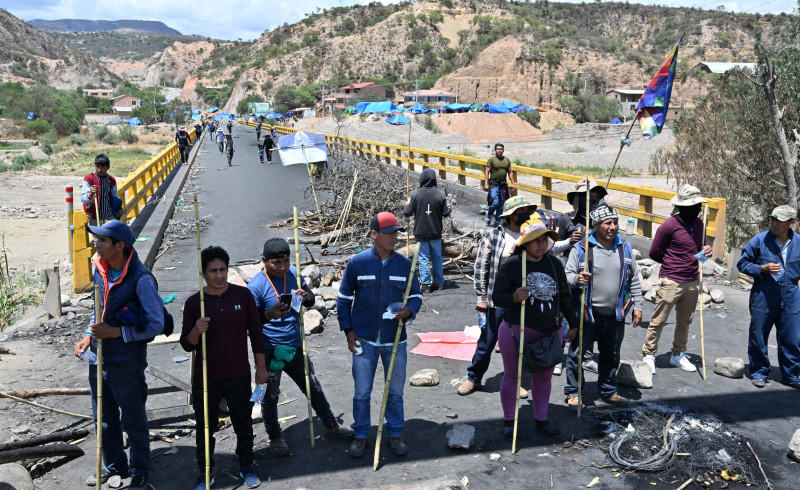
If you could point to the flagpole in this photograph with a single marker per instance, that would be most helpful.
(622, 144)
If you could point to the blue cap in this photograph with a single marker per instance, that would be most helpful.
(116, 229)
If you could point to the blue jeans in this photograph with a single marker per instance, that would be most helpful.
(431, 251)
(485, 346)
(364, 373)
(498, 194)
(787, 333)
(124, 398)
(608, 332)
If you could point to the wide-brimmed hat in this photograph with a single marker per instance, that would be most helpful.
(582, 186)
(688, 195)
(515, 203)
(784, 213)
(531, 230)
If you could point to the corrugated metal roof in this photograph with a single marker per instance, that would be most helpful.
(720, 67)
(626, 91)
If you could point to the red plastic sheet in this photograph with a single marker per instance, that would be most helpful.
(450, 345)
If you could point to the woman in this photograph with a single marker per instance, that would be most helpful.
(547, 293)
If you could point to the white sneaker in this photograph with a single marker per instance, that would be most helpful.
(557, 370)
(682, 362)
(650, 360)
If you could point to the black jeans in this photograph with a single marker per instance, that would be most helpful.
(608, 332)
(296, 371)
(485, 346)
(236, 391)
(184, 153)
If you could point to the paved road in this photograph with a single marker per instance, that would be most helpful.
(240, 202)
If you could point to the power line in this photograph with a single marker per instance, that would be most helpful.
(748, 10)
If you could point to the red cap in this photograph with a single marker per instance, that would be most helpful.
(385, 222)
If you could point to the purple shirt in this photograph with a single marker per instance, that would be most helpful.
(675, 245)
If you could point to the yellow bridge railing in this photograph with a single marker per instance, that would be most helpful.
(464, 167)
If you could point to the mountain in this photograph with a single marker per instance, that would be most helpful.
(82, 25)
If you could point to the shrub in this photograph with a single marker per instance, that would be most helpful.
(48, 143)
(531, 117)
(37, 127)
(99, 132)
(127, 134)
(430, 125)
(78, 139)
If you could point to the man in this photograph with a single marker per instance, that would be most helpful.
(230, 125)
(282, 336)
(495, 248)
(772, 258)
(373, 280)
(230, 318)
(612, 289)
(220, 139)
(498, 170)
(258, 129)
(428, 205)
(101, 185)
(229, 148)
(132, 314)
(183, 140)
(675, 245)
(269, 144)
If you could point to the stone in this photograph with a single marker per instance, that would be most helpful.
(461, 436)
(650, 295)
(114, 481)
(425, 377)
(637, 254)
(330, 304)
(14, 476)
(719, 270)
(327, 280)
(646, 262)
(37, 154)
(312, 274)
(324, 312)
(451, 415)
(65, 301)
(312, 322)
(635, 374)
(717, 296)
(794, 447)
(705, 298)
(708, 267)
(730, 367)
(494, 457)
(22, 429)
(328, 292)
(86, 303)
(647, 285)
(319, 303)
(644, 272)
(706, 289)
(248, 271)
(70, 316)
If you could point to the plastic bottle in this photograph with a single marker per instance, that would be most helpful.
(629, 226)
(482, 319)
(258, 393)
(89, 356)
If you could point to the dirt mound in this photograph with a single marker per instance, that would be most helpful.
(552, 120)
(481, 127)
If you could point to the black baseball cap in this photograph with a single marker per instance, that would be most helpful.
(275, 248)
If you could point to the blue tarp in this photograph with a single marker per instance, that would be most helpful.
(31, 115)
(508, 104)
(213, 109)
(455, 107)
(222, 116)
(616, 121)
(134, 122)
(360, 106)
(196, 111)
(497, 109)
(196, 117)
(418, 109)
(397, 119)
(380, 107)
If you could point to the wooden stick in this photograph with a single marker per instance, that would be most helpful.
(408, 184)
(206, 447)
(40, 452)
(97, 212)
(98, 318)
(700, 297)
(60, 436)
(389, 371)
(685, 484)
(311, 180)
(583, 299)
(766, 480)
(302, 330)
(39, 405)
(521, 349)
(621, 146)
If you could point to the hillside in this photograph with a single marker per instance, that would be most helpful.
(31, 56)
(83, 25)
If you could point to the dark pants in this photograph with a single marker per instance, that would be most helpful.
(124, 398)
(787, 334)
(184, 153)
(236, 391)
(608, 332)
(485, 346)
(296, 371)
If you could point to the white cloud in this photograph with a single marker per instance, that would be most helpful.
(248, 19)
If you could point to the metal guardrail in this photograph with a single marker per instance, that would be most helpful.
(465, 167)
(134, 190)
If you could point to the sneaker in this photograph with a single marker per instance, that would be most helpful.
(467, 387)
(200, 484)
(759, 382)
(573, 403)
(590, 366)
(650, 360)
(682, 362)
(399, 447)
(140, 482)
(523, 393)
(615, 399)
(557, 370)
(248, 474)
(91, 480)
(508, 430)
(358, 447)
(547, 428)
(425, 288)
(435, 287)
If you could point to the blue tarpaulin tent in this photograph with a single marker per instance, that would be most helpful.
(380, 107)
(31, 115)
(508, 104)
(213, 109)
(497, 109)
(134, 122)
(360, 106)
(453, 107)
(196, 117)
(397, 119)
(418, 109)
(616, 121)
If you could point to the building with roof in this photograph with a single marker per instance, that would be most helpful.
(627, 99)
(125, 104)
(103, 93)
(720, 68)
(438, 97)
(364, 91)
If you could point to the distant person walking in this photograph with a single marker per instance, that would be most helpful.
(229, 148)
(495, 180)
(184, 141)
(101, 185)
(269, 144)
(220, 139)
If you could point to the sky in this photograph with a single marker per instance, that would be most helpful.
(249, 19)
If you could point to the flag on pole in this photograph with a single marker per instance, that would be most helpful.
(654, 104)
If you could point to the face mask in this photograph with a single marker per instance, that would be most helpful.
(689, 213)
(522, 217)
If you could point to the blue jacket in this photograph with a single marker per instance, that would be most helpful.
(627, 275)
(767, 292)
(368, 287)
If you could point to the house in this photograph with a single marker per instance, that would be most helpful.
(125, 104)
(438, 97)
(719, 68)
(135, 75)
(627, 99)
(103, 93)
(364, 91)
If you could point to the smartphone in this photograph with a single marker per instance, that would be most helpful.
(286, 299)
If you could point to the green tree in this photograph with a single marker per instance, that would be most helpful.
(292, 97)
(587, 107)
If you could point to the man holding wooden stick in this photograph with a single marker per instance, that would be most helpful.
(132, 315)
(231, 317)
(373, 284)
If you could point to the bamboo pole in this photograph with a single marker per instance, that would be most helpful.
(408, 186)
(389, 371)
(621, 146)
(302, 329)
(583, 300)
(98, 318)
(97, 212)
(206, 447)
(22, 400)
(521, 349)
(700, 298)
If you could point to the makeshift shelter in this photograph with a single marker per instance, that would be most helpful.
(380, 107)
(476, 107)
(134, 122)
(398, 120)
(213, 109)
(418, 109)
(497, 109)
(616, 121)
(454, 107)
